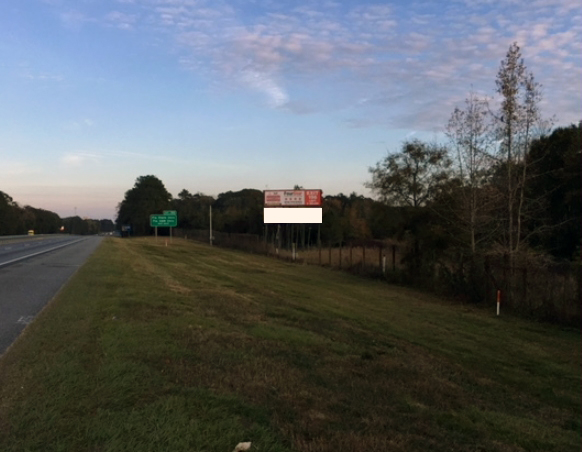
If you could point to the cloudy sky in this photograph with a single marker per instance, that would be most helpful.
(213, 95)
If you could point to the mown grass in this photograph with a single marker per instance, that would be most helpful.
(192, 348)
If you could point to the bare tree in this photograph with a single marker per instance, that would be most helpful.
(469, 133)
(517, 124)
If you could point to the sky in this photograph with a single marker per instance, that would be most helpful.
(218, 95)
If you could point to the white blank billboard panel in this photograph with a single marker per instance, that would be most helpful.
(292, 214)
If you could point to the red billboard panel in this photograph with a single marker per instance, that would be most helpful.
(293, 198)
(313, 198)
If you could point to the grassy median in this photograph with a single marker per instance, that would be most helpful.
(191, 348)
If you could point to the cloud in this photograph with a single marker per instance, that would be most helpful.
(44, 77)
(78, 125)
(431, 52)
(265, 83)
(120, 20)
(74, 19)
(16, 169)
(78, 159)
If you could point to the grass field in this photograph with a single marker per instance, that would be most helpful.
(192, 348)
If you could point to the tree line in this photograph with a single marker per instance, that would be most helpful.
(18, 220)
(503, 183)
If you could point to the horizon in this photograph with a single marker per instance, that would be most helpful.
(220, 96)
(215, 197)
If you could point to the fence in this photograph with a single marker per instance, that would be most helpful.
(372, 257)
(549, 291)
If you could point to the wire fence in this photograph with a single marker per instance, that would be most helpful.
(545, 291)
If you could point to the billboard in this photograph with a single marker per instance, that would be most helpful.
(296, 215)
(293, 198)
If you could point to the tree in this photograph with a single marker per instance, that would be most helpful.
(240, 211)
(465, 201)
(43, 221)
(556, 180)
(148, 196)
(518, 122)
(9, 214)
(106, 225)
(411, 177)
(193, 210)
(411, 180)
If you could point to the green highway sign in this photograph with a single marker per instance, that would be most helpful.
(163, 221)
(171, 212)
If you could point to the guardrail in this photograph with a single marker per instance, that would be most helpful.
(9, 238)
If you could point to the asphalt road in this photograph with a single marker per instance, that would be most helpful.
(31, 273)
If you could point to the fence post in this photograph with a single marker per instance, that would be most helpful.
(393, 258)
(319, 247)
(340, 256)
(505, 279)
(330, 254)
(564, 311)
(524, 282)
(487, 270)
(351, 255)
(278, 239)
(363, 257)
(380, 260)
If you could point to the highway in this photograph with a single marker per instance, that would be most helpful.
(32, 271)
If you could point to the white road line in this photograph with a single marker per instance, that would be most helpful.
(2, 264)
(25, 320)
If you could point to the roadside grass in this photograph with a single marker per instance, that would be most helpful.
(193, 348)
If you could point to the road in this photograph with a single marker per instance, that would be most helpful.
(31, 273)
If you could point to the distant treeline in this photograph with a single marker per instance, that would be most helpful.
(345, 218)
(17, 220)
(436, 227)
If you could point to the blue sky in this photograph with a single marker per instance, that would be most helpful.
(219, 95)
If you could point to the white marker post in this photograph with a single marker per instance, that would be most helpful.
(498, 300)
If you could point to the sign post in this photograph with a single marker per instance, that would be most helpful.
(170, 213)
